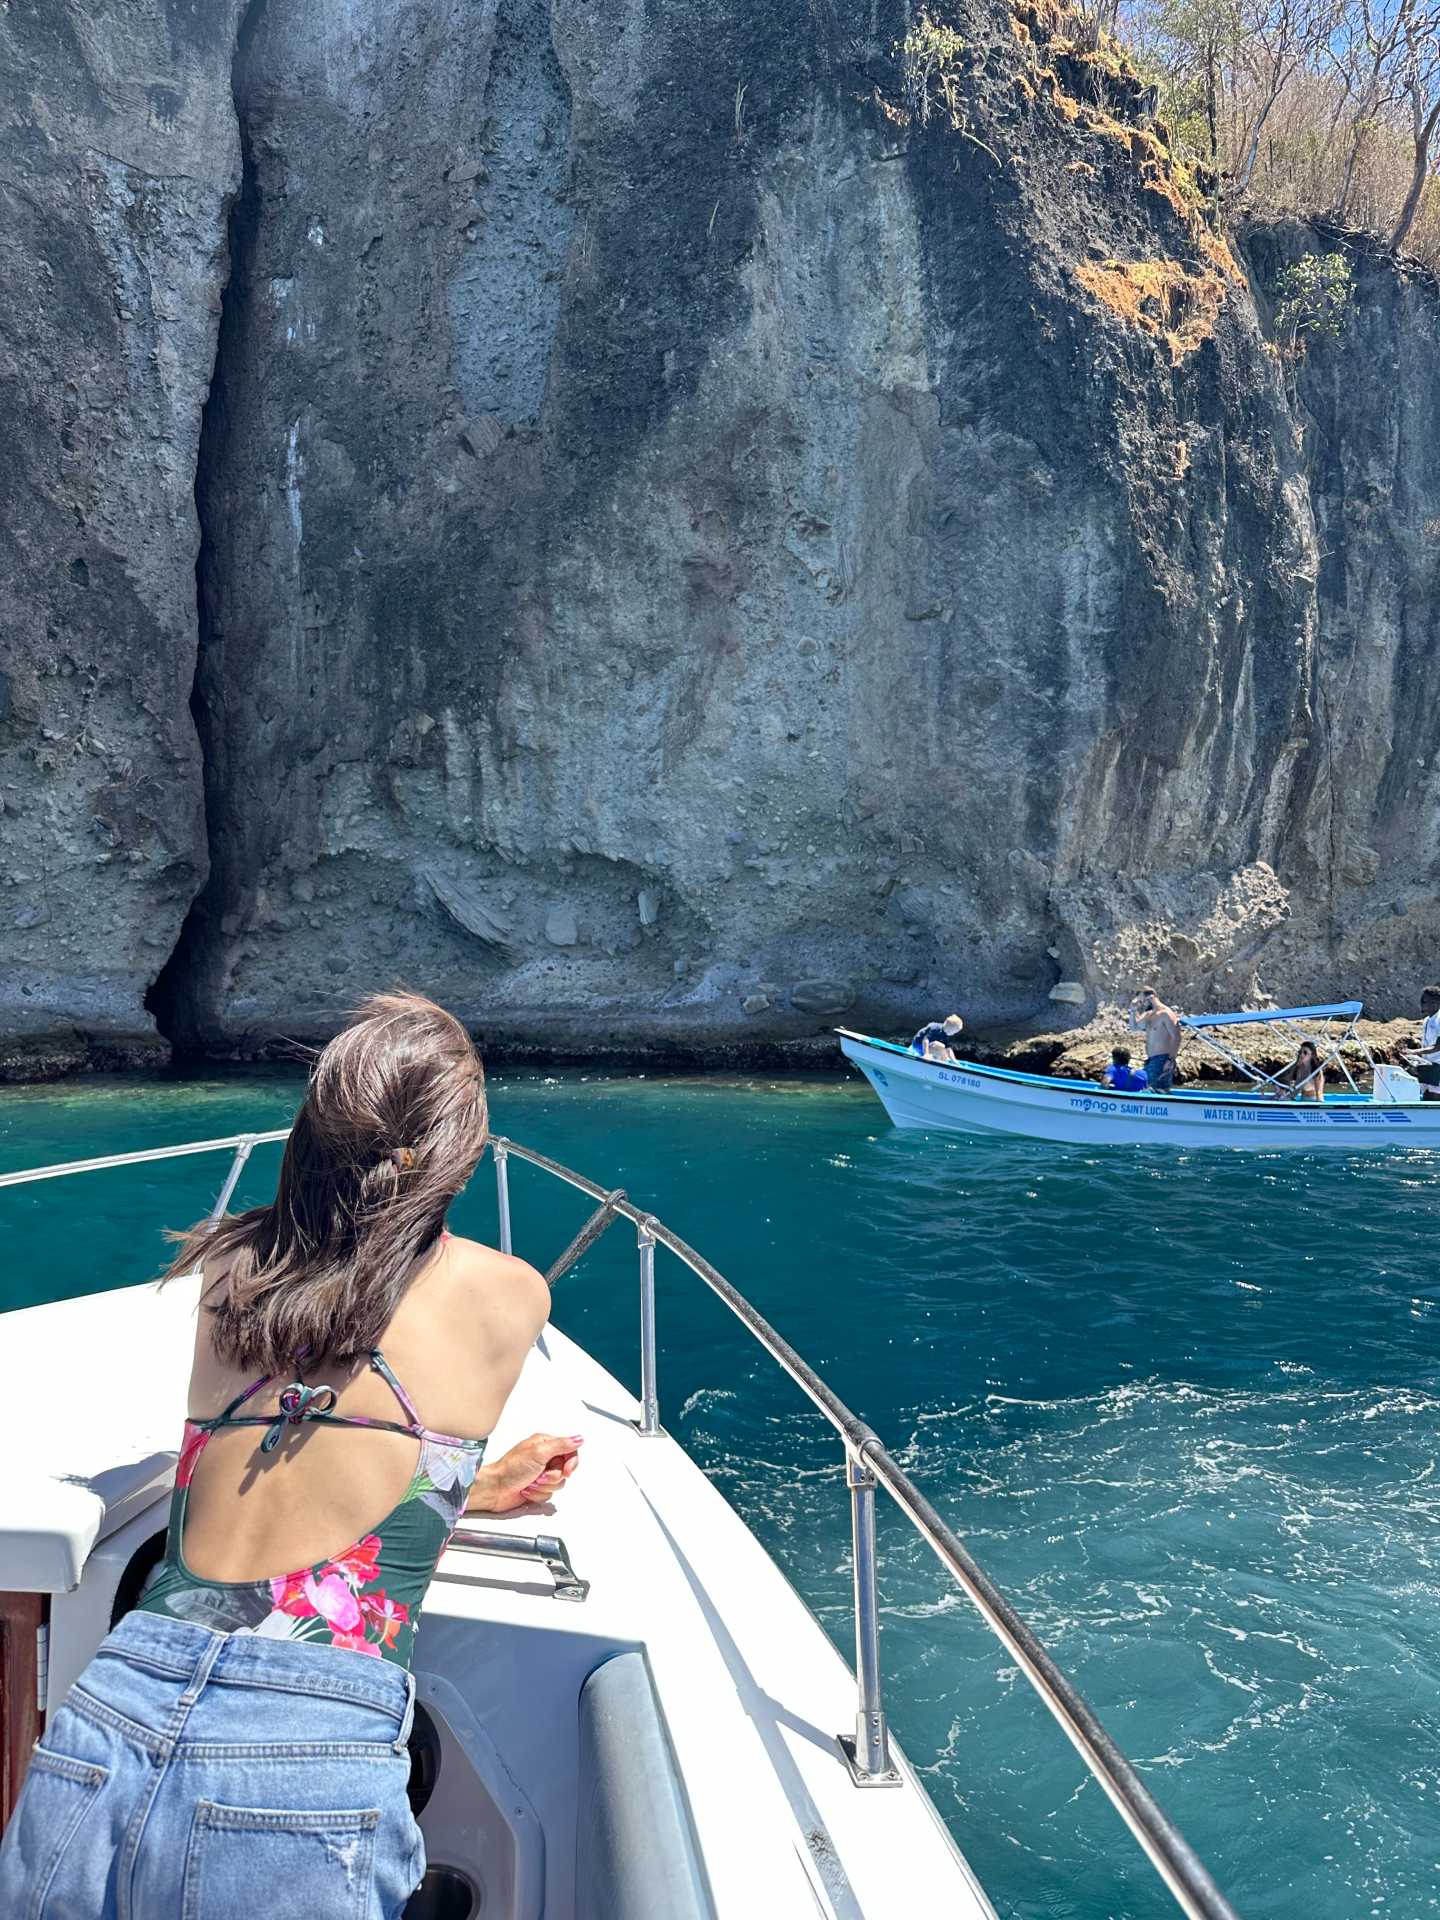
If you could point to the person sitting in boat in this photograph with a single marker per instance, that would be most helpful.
(1121, 1075)
(933, 1042)
(1426, 1061)
(351, 1355)
(1304, 1078)
(1161, 1026)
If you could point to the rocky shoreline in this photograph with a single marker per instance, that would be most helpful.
(1083, 1053)
(1078, 1053)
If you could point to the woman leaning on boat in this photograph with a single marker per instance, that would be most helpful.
(237, 1747)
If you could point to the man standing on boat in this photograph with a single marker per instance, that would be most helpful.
(1161, 1027)
(1427, 1061)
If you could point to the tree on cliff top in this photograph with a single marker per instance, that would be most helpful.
(1307, 106)
(1422, 88)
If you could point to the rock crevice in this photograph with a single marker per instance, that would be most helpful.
(174, 996)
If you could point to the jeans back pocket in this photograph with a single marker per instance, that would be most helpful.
(57, 1794)
(244, 1861)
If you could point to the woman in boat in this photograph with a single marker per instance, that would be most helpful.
(1304, 1078)
(238, 1745)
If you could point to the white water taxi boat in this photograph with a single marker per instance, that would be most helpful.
(642, 1721)
(968, 1098)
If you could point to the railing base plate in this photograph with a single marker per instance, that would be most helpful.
(890, 1778)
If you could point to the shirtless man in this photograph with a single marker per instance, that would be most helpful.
(1161, 1027)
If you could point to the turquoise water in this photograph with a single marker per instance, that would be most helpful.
(1183, 1409)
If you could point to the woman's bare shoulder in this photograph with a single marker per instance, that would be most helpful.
(502, 1268)
(497, 1284)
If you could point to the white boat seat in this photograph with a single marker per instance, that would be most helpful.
(91, 1425)
(636, 1853)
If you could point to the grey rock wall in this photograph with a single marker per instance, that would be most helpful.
(118, 156)
(691, 551)
(1367, 415)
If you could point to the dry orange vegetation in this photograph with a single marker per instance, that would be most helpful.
(1174, 301)
(1169, 301)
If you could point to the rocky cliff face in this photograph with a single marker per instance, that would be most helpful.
(118, 155)
(1367, 419)
(701, 535)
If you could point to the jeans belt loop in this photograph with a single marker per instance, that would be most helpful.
(402, 1739)
(202, 1670)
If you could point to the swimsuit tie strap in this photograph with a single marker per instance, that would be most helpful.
(297, 1403)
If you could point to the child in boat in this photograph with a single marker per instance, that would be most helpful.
(237, 1747)
(1121, 1075)
(933, 1042)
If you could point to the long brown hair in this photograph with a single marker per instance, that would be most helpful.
(390, 1129)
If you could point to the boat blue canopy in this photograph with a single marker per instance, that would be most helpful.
(1264, 1016)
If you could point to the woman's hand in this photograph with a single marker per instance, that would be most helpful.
(533, 1470)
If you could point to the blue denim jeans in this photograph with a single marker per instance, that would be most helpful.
(196, 1775)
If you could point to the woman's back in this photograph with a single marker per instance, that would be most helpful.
(455, 1343)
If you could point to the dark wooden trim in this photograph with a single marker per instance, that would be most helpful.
(21, 1617)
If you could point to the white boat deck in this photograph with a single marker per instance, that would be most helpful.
(751, 1691)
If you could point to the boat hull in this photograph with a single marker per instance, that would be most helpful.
(967, 1098)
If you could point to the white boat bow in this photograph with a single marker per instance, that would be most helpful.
(625, 1710)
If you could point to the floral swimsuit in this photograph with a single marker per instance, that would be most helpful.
(368, 1597)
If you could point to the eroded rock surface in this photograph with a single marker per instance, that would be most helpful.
(1361, 870)
(1084, 1053)
(118, 156)
(697, 548)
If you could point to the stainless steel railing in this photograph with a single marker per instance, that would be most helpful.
(868, 1463)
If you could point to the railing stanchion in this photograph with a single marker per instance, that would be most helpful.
(869, 1752)
(232, 1179)
(501, 1151)
(649, 1396)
